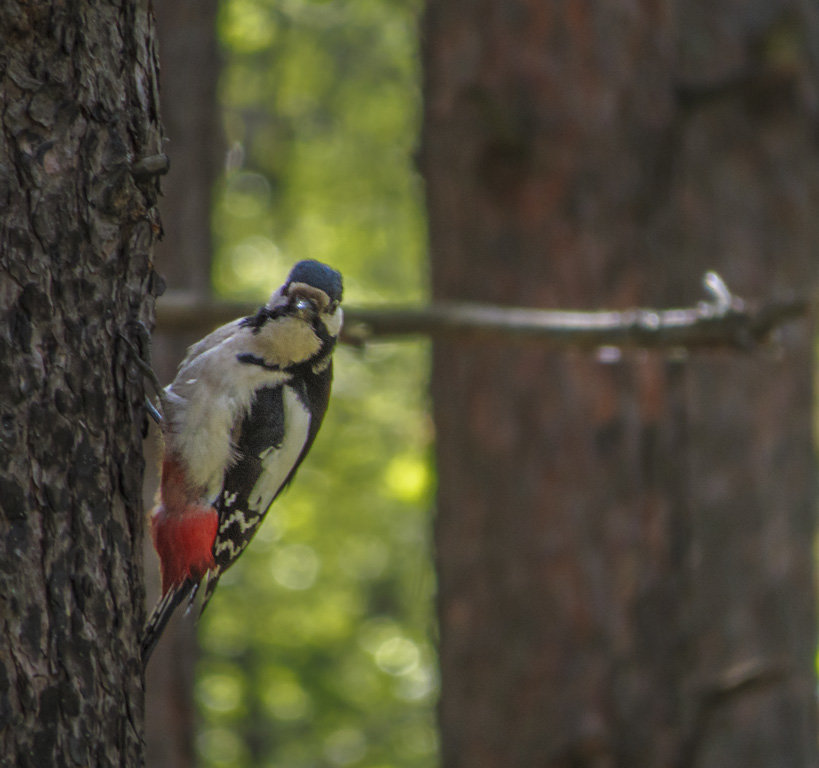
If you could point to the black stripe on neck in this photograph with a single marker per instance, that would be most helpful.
(249, 359)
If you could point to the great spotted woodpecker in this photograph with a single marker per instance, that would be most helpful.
(237, 421)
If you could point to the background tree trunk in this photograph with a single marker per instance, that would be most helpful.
(624, 549)
(190, 111)
(77, 224)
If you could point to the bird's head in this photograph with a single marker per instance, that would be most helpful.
(303, 318)
(312, 293)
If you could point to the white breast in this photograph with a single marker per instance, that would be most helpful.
(205, 406)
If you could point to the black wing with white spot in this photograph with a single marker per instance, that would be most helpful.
(274, 438)
(239, 505)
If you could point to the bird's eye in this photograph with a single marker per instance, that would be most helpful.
(305, 305)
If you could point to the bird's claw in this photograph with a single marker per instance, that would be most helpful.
(142, 359)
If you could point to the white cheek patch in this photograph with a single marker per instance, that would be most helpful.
(285, 341)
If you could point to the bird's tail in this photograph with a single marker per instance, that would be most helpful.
(212, 579)
(162, 613)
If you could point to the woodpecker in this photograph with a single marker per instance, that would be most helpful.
(237, 421)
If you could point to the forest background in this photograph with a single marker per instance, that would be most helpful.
(623, 536)
(319, 647)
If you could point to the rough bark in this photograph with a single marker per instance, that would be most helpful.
(190, 113)
(624, 549)
(77, 224)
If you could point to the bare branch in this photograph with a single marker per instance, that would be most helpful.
(682, 328)
(723, 321)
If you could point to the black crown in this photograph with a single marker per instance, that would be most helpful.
(319, 276)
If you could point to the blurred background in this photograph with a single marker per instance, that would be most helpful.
(623, 542)
(291, 131)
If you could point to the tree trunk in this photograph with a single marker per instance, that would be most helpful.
(624, 543)
(77, 224)
(190, 71)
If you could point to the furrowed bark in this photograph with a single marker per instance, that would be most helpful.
(77, 225)
(624, 550)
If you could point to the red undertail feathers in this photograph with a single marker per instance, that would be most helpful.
(183, 529)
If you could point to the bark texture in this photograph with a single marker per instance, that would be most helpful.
(77, 224)
(624, 548)
(190, 114)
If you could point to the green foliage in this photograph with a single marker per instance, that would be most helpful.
(316, 648)
(322, 110)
